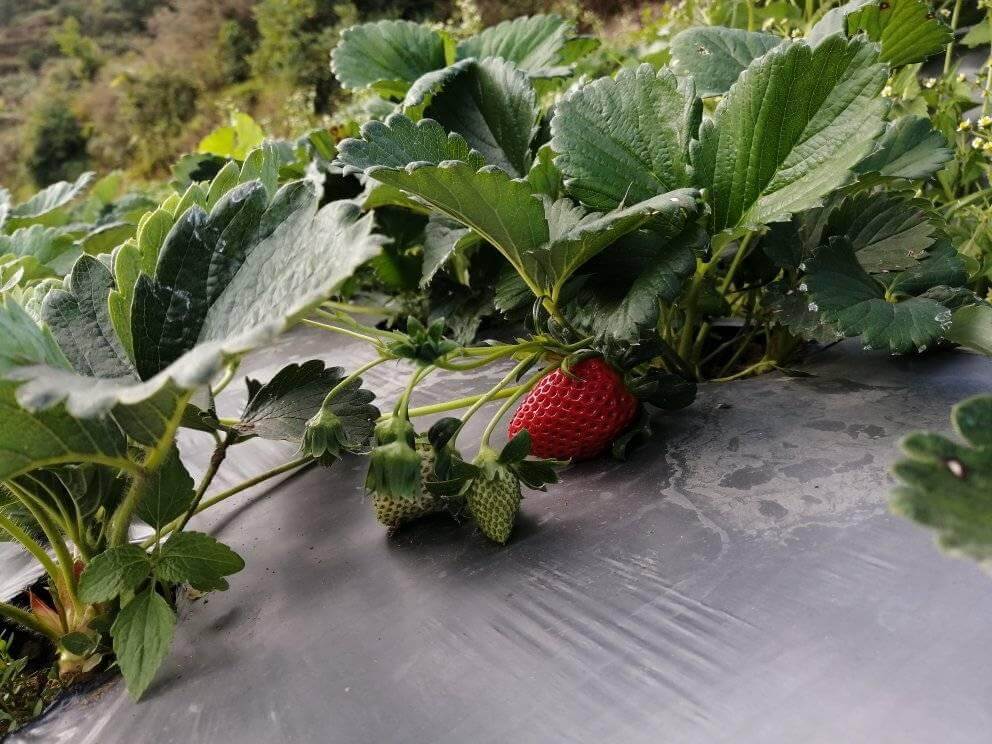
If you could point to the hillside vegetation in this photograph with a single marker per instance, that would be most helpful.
(131, 84)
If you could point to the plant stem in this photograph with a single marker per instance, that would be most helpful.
(494, 391)
(403, 404)
(949, 54)
(344, 331)
(31, 545)
(754, 369)
(42, 516)
(216, 459)
(233, 491)
(520, 391)
(704, 330)
(225, 380)
(457, 403)
(987, 93)
(354, 376)
(120, 522)
(347, 307)
(26, 619)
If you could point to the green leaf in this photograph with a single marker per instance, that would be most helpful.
(399, 142)
(629, 280)
(236, 140)
(113, 572)
(281, 408)
(29, 441)
(168, 492)
(79, 317)
(534, 44)
(293, 270)
(909, 148)
(285, 276)
(24, 342)
(386, 52)
(789, 131)
(888, 232)
(907, 30)
(442, 238)
(142, 634)
(858, 305)
(198, 560)
(947, 485)
(48, 200)
(791, 309)
(715, 56)
(199, 257)
(105, 238)
(544, 176)
(46, 244)
(402, 154)
(971, 327)
(493, 106)
(576, 236)
(624, 140)
(979, 34)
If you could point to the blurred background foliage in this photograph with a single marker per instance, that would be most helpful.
(131, 84)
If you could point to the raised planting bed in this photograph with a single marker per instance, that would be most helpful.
(739, 579)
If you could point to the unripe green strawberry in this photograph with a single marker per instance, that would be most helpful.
(393, 511)
(493, 499)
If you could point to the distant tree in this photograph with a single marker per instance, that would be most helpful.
(235, 43)
(295, 42)
(82, 50)
(57, 144)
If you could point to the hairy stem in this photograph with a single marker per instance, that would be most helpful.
(949, 54)
(31, 545)
(216, 459)
(27, 620)
(233, 491)
(120, 522)
(521, 390)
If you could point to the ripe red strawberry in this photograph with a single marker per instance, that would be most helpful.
(575, 417)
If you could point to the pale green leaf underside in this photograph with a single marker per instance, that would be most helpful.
(285, 276)
(624, 140)
(386, 52)
(790, 130)
(49, 199)
(715, 56)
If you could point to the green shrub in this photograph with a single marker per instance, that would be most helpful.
(58, 144)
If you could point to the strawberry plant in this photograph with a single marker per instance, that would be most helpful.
(706, 212)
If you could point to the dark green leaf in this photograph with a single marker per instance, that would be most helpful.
(624, 140)
(198, 560)
(493, 106)
(858, 304)
(168, 493)
(790, 131)
(889, 232)
(909, 148)
(907, 30)
(281, 408)
(113, 572)
(142, 634)
(79, 317)
(715, 56)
